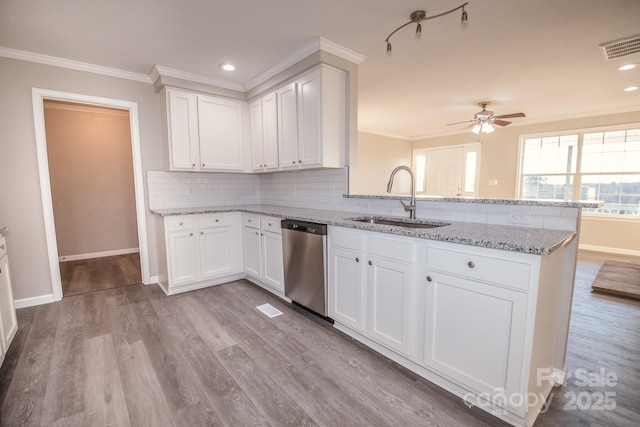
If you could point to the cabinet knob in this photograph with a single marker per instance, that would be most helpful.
(248, 220)
(180, 223)
(299, 161)
(294, 162)
(2, 247)
(262, 234)
(257, 233)
(0, 271)
(216, 220)
(357, 259)
(429, 279)
(194, 165)
(269, 224)
(202, 233)
(470, 264)
(203, 165)
(190, 234)
(370, 263)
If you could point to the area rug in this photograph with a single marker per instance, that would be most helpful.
(618, 278)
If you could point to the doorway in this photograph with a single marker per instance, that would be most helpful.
(447, 171)
(40, 96)
(92, 189)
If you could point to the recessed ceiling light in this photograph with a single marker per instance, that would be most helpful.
(227, 67)
(627, 67)
(630, 88)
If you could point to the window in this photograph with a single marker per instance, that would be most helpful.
(593, 164)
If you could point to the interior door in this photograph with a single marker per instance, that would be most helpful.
(444, 172)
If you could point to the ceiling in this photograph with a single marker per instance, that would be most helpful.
(540, 57)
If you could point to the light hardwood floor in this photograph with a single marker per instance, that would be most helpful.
(98, 274)
(132, 356)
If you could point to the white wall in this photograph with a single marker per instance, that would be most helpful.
(20, 201)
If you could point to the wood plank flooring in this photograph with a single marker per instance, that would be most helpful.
(132, 356)
(98, 274)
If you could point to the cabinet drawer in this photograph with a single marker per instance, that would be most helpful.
(392, 248)
(494, 270)
(3, 247)
(251, 221)
(270, 223)
(346, 239)
(212, 221)
(180, 223)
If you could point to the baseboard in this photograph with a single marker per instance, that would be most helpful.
(33, 301)
(609, 250)
(79, 257)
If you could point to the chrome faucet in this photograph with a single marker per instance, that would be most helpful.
(411, 207)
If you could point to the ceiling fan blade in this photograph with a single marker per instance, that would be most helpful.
(509, 116)
(500, 122)
(469, 126)
(457, 123)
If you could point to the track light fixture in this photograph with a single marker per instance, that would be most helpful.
(420, 15)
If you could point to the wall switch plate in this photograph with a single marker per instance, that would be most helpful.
(493, 182)
(518, 218)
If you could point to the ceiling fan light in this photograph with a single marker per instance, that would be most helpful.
(487, 127)
(476, 128)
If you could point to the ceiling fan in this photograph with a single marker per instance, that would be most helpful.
(484, 120)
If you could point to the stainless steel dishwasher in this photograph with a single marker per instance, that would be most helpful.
(304, 250)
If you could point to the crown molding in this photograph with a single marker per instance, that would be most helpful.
(313, 46)
(159, 70)
(341, 51)
(73, 65)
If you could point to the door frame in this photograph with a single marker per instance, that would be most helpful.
(38, 97)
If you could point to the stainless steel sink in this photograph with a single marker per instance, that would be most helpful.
(410, 223)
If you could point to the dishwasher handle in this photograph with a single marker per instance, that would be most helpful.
(304, 226)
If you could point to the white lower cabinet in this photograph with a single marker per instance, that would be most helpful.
(370, 285)
(487, 325)
(262, 239)
(201, 248)
(8, 319)
(474, 333)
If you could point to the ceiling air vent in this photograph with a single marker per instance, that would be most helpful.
(621, 47)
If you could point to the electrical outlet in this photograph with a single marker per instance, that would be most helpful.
(518, 218)
(493, 182)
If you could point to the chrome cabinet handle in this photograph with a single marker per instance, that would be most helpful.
(429, 279)
(470, 264)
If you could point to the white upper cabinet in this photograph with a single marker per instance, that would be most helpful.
(312, 119)
(205, 133)
(264, 133)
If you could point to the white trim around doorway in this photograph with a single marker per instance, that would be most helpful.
(38, 97)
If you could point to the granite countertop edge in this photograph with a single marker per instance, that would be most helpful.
(511, 202)
(509, 238)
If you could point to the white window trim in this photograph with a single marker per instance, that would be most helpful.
(580, 132)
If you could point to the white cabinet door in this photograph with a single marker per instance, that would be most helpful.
(389, 293)
(183, 130)
(288, 126)
(221, 134)
(474, 332)
(8, 320)
(270, 130)
(273, 264)
(346, 287)
(252, 259)
(257, 135)
(183, 257)
(310, 120)
(264, 133)
(218, 252)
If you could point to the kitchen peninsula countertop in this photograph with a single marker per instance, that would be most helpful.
(516, 239)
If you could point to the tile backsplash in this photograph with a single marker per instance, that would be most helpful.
(324, 189)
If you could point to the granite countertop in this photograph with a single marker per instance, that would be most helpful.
(516, 239)
(512, 202)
